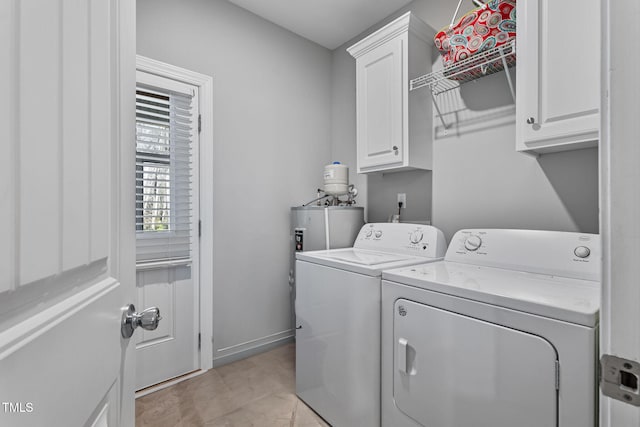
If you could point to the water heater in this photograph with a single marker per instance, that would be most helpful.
(321, 227)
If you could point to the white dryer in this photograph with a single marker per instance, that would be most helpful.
(338, 318)
(502, 333)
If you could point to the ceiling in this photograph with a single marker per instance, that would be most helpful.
(329, 23)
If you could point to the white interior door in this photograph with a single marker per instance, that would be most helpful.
(168, 214)
(66, 245)
(620, 202)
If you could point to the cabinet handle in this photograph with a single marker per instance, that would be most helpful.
(395, 148)
(531, 120)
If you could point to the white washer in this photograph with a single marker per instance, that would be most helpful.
(338, 318)
(502, 333)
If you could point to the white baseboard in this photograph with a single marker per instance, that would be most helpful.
(168, 383)
(250, 348)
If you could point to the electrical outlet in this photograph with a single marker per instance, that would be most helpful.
(402, 198)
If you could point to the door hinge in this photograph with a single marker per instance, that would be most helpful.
(620, 379)
(557, 375)
(199, 228)
(199, 123)
(199, 340)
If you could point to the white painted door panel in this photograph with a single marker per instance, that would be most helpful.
(558, 74)
(456, 371)
(66, 378)
(380, 139)
(8, 92)
(619, 201)
(172, 349)
(67, 248)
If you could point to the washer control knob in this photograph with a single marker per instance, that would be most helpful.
(582, 252)
(416, 236)
(368, 233)
(378, 234)
(473, 243)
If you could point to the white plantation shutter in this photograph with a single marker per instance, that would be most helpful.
(165, 133)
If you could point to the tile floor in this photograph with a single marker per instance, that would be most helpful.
(258, 391)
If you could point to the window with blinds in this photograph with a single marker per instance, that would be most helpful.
(164, 145)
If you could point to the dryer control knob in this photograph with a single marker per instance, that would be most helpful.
(472, 243)
(582, 251)
(378, 234)
(368, 233)
(416, 236)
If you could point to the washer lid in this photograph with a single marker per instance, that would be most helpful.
(570, 300)
(370, 263)
(365, 257)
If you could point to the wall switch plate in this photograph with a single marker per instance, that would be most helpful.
(402, 198)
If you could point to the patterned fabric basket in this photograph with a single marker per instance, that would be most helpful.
(491, 25)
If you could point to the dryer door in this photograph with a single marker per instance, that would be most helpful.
(456, 371)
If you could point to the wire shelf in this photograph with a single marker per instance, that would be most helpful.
(476, 66)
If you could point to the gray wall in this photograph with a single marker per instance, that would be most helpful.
(383, 195)
(343, 120)
(478, 179)
(272, 101)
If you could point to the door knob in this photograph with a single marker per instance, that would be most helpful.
(395, 149)
(147, 319)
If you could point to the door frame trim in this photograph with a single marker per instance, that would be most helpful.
(205, 95)
(619, 204)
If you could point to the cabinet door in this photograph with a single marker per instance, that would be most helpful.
(379, 106)
(558, 74)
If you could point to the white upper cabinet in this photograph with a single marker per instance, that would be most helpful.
(394, 129)
(558, 75)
